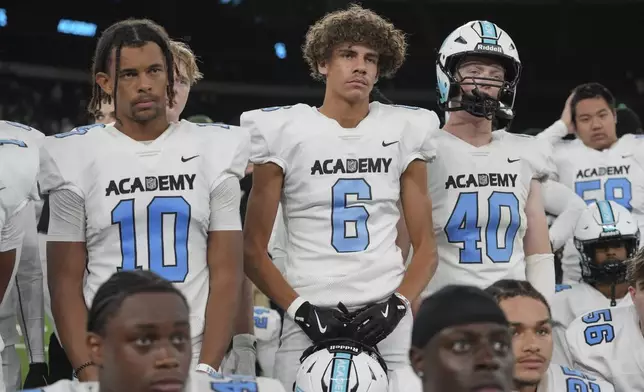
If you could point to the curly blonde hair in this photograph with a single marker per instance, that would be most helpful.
(359, 26)
(184, 55)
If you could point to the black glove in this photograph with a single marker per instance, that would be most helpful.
(37, 376)
(320, 324)
(376, 322)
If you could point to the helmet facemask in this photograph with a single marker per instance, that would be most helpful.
(479, 103)
(611, 271)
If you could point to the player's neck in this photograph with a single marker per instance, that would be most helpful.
(620, 290)
(473, 130)
(527, 388)
(142, 132)
(347, 114)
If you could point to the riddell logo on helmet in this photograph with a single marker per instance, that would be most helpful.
(489, 48)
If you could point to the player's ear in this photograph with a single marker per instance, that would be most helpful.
(323, 68)
(103, 81)
(417, 361)
(95, 346)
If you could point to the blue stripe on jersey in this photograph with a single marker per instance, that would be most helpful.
(606, 215)
(340, 373)
(488, 30)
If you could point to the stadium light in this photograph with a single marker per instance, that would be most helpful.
(3, 17)
(75, 27)
(280, 50)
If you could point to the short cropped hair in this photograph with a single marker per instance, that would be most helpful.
(589, 91)
(511, 288)
(111, 295)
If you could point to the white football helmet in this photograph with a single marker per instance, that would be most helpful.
(341, 365)
(484, 39)
(605, 221)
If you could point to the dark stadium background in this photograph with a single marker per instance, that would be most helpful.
(561, 43)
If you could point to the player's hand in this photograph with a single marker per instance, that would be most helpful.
(376, 322)
(37, 376)
(320, 324)
(243, 356)
(566, 115)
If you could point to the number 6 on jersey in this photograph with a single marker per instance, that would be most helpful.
(349, 223)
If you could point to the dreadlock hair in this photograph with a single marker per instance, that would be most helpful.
(118, 288)
(635, 268)
(511, 288)
(129, 33)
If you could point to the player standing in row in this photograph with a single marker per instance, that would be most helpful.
(609, 343)
(531, 322)
(488, 214)
(606, 236)
(597, 165)
(18, 173)
(144, 194)
(341, 171)
(26, 295)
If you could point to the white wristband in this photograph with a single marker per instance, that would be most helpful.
(205, 368)
(403, 299)
(294, 306)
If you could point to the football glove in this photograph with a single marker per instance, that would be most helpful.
(371, 325)
(243, 356)
(320, 324)
(37, 376)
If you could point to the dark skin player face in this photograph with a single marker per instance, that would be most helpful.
(146, 346)
(467, 358)
(142, 88)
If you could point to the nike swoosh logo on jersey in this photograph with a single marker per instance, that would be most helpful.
(2, 188)
(322, 329)
(513, 160)
(626, 156)
(386, 312)
(187, 159)
(388, 144)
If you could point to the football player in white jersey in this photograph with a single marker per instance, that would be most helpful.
(488, 214)
(144, 194)
(268, 325)
(597, 165)
(606, 235)
(26, 295)
(530, 319)
(609, 342)
(18, 173)
(342, 171)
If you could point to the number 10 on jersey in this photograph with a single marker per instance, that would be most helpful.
(159, 207)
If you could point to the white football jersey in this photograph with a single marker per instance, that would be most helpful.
(564, 379)
(268, 327)
(616, 174)
(18, 175)
(609, 343)
(570, 302)
(201, 382)
(147, 205)
(197, 382)
(479, 196)
(68, 386)
(340, 195)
